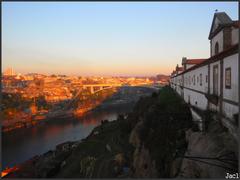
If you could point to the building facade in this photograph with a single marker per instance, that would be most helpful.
(213, 83)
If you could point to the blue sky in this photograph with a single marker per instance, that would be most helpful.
(106, 38)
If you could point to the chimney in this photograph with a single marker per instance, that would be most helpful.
(184, 60)
(177, 69)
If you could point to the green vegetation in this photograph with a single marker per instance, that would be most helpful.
(95, 156)
(165, 118)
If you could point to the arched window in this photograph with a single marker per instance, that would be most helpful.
(216, 48)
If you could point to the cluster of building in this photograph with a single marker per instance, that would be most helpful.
(33, 86)
(50, 93)
(56, 88)
(213, 83)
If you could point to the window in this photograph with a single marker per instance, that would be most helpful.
(197, 79)
(194, 80)
(206, 78)
(228, 78)
(200, 76)
(216, 48)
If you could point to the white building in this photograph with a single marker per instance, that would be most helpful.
(213, 83)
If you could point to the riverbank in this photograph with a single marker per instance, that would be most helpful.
(76, 107)
(24, 143)
(150, 142)
(109, 138)
(43, 118)
(63, 115)
(124, 97)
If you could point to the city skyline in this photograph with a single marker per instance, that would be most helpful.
(106, 39)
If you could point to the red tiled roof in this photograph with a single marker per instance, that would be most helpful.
(231, 50)
(194, 61)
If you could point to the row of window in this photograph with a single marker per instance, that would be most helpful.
(188, 80)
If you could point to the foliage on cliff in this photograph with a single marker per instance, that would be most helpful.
(165, 117)
(96, 156)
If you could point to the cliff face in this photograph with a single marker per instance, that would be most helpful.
(159, 134)
(143, 165)
(168, 145)
(217, 145)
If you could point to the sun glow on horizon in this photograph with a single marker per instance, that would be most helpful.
(132, 39)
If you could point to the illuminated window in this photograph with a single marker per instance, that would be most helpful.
(228, 78)
(200, 77)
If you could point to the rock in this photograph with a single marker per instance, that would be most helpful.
(134, 136)
(108, 148)
(143, 165)
(207, 145)
(188, 134)
(87, 165)
(175, 168)
(63, 164)
(117, 170)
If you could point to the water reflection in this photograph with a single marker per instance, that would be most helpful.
(23, 144)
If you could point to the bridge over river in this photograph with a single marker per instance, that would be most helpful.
(94, 88)
(99, 87)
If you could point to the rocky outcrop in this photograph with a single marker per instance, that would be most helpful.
(143, 165)
(159, 135)
(210, 154)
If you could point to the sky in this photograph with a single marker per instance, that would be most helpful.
(106, 38)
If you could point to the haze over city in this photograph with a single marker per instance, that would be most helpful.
(115, 38)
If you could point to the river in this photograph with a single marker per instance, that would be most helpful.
(22, 144)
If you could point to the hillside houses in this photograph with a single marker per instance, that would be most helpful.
(213, 83)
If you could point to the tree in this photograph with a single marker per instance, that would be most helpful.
(41, 102)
